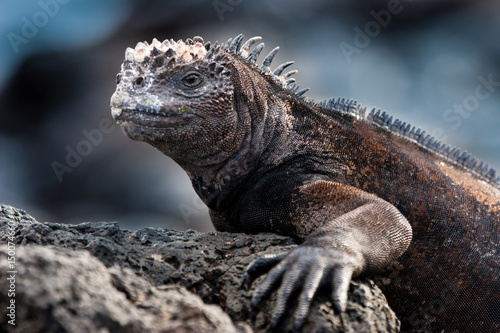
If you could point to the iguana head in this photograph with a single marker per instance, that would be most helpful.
(168, 94)
(193, 100)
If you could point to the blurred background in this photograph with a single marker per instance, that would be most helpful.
(435, 64)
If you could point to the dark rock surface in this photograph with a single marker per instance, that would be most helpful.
(97, 277)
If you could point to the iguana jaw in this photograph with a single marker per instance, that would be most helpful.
(150, 114)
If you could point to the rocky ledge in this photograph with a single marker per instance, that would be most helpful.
(96, 277)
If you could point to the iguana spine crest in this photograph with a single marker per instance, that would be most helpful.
(158, 53)
(377, 117)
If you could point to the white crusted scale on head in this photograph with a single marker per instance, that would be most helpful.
(193, 49)
(183, 51)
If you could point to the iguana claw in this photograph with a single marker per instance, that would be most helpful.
(304, 267)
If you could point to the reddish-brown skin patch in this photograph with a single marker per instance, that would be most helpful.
(482, 191)
(451, 275)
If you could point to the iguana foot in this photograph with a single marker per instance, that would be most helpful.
(304, 267)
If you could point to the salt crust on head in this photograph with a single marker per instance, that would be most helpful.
(184, 52)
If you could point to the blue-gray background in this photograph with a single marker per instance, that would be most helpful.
(56, 80)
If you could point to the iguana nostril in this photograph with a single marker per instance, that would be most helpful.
(139, 81)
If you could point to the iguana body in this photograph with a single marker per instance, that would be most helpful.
(352, 186)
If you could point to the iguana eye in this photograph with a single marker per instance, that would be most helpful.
(192, 80)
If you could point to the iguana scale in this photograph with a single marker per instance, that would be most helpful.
(360, 191)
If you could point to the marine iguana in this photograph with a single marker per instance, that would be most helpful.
(354, 187)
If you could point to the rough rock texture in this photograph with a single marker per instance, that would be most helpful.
(75, 292)
(96, 277)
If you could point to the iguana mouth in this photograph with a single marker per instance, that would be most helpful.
(150, 117)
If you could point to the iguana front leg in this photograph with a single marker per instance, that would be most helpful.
(347, 232)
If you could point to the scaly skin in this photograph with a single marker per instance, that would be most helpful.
(264, 159)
